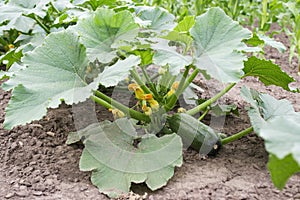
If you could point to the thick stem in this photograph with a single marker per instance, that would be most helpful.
(139, 81)
(151, 84)
(101, 102)
(46, 29)
(210, 101)
(115, 104)
(183, 84)
(236, 136)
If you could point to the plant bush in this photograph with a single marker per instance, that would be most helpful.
(117, 44)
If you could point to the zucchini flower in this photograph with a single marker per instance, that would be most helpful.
(116, 113)
(181, 110)
(147, 110)
(173, 88)
(153, 104)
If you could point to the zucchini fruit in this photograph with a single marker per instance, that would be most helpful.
(195, 134)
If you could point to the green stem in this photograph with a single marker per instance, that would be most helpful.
(203, 115)
(210, 101)
(115, 104)
(46, 29)
(101, 102)
(139, 81)
(181, 87)
(152, 86)
(236, 136)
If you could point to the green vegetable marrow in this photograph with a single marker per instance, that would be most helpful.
(195, 134)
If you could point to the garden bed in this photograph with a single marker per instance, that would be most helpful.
(37, 164)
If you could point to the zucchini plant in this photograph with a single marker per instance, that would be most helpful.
(110, 47)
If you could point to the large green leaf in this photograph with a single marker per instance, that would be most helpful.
(265, 107)
(56, 71)
(216, 38)
(282, 141)
(103, 31)
(268, 73)
(165, 54)
(156, 18)
(117, 159)
(15, 10)
(278, 124)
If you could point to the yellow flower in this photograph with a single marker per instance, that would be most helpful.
(139, 93)
(147, 110)
(116, 113)
(153, 104)
(133, 86)
(11, 46)
(181, 110)
(172, 91)
(175, 85)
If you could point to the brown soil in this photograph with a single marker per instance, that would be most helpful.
(37, 164)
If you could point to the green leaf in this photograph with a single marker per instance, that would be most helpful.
(103, 31)
(156, 18)
(267, 72)
(221, 110)
(117, 159)
(179, 37)
(254, 41)
(278, 124)
(180, 32)
(282, 169)
(165, 54)
(11, 57)
(216, 38)
(265, 107)
(15, 10)
(112, 75)
(282, 136)
(271, 42)
(55, 72)
(185, 25)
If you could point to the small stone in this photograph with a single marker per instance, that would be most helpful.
(10, 195)
(49, 182)
(21, 144)
(23, 187)
(83, 189)
(37, 193)
(24, 193)
(24, 183)
(35, 125)
(40, 187)
(50, 133)
(13, 146)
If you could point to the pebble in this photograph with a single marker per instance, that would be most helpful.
(37, 193)
(24, 193)
(23, 187)
(50, 133)
(83, 188)
(10, 195)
